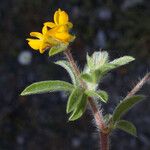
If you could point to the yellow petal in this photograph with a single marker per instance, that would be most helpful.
(62, 28)
(64, 37)
(63, 18)
(70, 38)
(34, 43)
(44, 30)
(43, 47)
(51, 32)
(50, 24)
(58, 29)
(41, 50)
(60, 17)
(56, 17)
(37, 35)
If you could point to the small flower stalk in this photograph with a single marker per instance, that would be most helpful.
(84, 88)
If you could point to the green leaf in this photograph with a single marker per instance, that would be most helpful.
(127, 127)
(97, 60)
(107, 67)
(125, 105)
(90, 61)
(74, 99)
(102, 95)
(107, 118)
(47, 86)
(122, 61)
(87, 77)
(100, 58)
(57, 49)
(80, 108)
(68, 68)
(100, 72)
(97, 75)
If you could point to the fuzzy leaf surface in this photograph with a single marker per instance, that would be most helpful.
(68, 68)
(89, 61)
(47, 86)
(102, 95)
(122, 61)
(80, 108)
(125, 105)
(127, 127)
(87, 77)
(74, 98)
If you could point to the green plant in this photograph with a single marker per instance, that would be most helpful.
(84, 89)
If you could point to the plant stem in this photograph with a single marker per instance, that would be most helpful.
(74, 66)
(97, 114)
(104, 139)
(139, 85)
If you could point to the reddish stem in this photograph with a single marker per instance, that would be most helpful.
(74, 66)
(104, 140)
(139, 85)
(97, 114)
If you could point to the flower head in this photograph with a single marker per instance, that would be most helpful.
(60, 19)
(61, 34)
(53, 34)
(38, 43)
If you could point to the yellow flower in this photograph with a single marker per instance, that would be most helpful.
(39, 43)
(61, 34)
(56, 35)
(60, 18)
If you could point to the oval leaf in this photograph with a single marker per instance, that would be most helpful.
(127, 127)
(47, 86)
(125, 105)
(122, 61)
(103, 94)
(80, 108)
(74, 99)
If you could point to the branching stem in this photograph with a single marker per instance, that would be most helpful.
(104, 134)
(139, 85)
(96, 112)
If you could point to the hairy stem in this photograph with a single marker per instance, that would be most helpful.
(139, 85)
(104, 138)
(97, 114)
(74, 66)
(104, 134)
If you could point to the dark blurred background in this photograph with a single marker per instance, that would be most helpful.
(39, 122)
